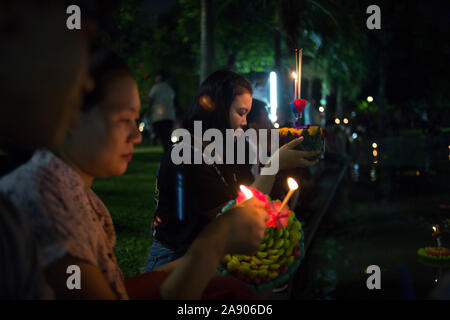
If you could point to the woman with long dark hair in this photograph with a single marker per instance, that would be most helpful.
(189, 196)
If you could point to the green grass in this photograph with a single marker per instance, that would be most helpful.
(130, 201)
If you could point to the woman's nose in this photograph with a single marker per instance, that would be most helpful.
(136, 136)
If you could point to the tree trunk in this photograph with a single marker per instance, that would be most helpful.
(281, 110)
(339, 107)
(207, 40)
(231, 61)
(381, 96)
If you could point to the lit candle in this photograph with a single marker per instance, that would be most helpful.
(246, 191)
(292, 187)
(294, 75)
(437, 234)
(299, 73)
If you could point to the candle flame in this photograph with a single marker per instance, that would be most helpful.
(246, 191)
(294, 75)
(293, 185)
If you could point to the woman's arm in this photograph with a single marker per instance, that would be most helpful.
(239, 230)
(93, 284)
(287, 158)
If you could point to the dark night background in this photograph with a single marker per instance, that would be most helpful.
(403, 65)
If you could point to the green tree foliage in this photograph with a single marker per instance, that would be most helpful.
(244, 41)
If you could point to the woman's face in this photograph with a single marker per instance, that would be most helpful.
(102, 144)
(239, 109)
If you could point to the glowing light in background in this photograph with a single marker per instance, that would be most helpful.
(141, 126)
(174, 139)
(417, 173)
(276, 125)
(322, 109)
(355, 172)
(345, 121)
(337, 121)
(354, 135)
(369, 99)
(375, 153)
(374, 145)
(273, 96)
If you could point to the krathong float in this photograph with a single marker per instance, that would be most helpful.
(281, 251)
(313, 135)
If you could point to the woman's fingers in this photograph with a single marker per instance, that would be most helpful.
(292, 144)
(306, 163)
(307, 154)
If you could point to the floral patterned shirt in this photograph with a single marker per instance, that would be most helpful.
(65, 218)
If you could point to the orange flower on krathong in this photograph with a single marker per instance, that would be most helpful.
(313, 130)
(283, 131)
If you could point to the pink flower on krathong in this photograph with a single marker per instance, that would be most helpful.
(299, 105)
(277, 219)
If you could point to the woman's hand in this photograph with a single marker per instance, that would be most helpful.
(291, 159)
(247, 224)
(239, 230)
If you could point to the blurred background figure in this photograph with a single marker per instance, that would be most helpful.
(162, 111)
(40, 99)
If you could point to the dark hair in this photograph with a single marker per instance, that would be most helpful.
(163, 74)
(222, 87)
(105, 66)
(257, 109)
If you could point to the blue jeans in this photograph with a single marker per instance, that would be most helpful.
(159, 255)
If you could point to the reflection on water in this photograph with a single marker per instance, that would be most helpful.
(373, 173)
(381, 215)
(354, 173)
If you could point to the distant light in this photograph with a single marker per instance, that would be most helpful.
(374, 145)
(375, 162)
(353, 114)
(273, 96)
(337, 121)
(294, 75)
(345, 120)
(369, 99)
(141, 126)
(449, 147)
(417, 173)
(354, 135)
(323, 101)
(276, 125)
(375, 153)
(322, 109)
(174, 139)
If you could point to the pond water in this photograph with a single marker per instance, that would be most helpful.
(382, 213)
